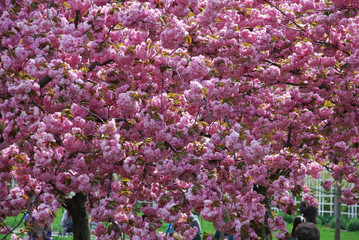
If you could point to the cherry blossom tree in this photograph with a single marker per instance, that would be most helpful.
(116, 108)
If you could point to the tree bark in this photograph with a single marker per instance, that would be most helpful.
(221, 237)
(77, 208)
(264, 232)
(337, 209)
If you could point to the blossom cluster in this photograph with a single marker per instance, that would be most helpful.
(170, 106)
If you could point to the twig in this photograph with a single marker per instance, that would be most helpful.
(22, 218)
(179, 202)
(227, 119)
(155, 55)
(284, 15)
(48, 16)
(199, 108)
(46, 58)
(95, 64)
(170, 147)
(109, 186)
(322, 43)
(288, 143)
(272, 63)
(211, 30)
(138, 190)
(119, 228)
(170, 7)
(106, 62)
(210, 117)
(37, 106)
(179, 75)
(162, 96)
(58, 165)
(77, 18)
(24, 137)
(45, 81)
(93, 114)
(4, 224)
(120, 120)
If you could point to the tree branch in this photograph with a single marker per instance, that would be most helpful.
(284, 15)
(109, 186)
(170, 147)
(45, 81)
(32, 203)
(272, 63)
(288, 143)
(77, 18)
(322, 43)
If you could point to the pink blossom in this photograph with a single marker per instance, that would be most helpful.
(327, 185)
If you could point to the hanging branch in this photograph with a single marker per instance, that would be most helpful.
(118, 227)
(162, 96)
(98, 118)
(32, 203)
(288, 143)
(210, 117)
(95, 64)
(170, 147)
(48, 16)
(4, 224)
(272, 63)
(327, 44)
(45, 81)
(138, 190)
(284, 15)
(58, 165)
(77, 18)
(163, 68)
(109, 186)
(36, 104)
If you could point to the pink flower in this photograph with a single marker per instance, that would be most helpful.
(327, 185)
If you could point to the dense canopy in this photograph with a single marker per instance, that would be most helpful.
(161, 107)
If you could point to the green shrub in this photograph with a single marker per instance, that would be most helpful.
(324, 220)
(353, 225)
(343, 223)
(287, 218)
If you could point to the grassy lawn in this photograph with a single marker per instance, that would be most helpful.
(328, 233)
(207, 227)
(12, 221)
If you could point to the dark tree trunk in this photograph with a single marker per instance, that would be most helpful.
(77, 208)
(264, 231)
(337, 209)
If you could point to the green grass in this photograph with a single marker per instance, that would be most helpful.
(207, 227)
(12, 221)
(328, 233)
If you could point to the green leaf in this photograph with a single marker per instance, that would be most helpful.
(56, 20)
(188, 39)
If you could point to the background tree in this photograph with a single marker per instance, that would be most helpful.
(222, 107)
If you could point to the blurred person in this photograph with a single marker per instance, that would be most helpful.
(297, 220)
(309, 213)
(66, 222)
(307, 231)
(35, 230)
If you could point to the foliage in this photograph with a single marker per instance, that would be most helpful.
(324, 220)
(286, 217)
(343, 222)
(221, 107)
(353, 225)
(328, 233)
